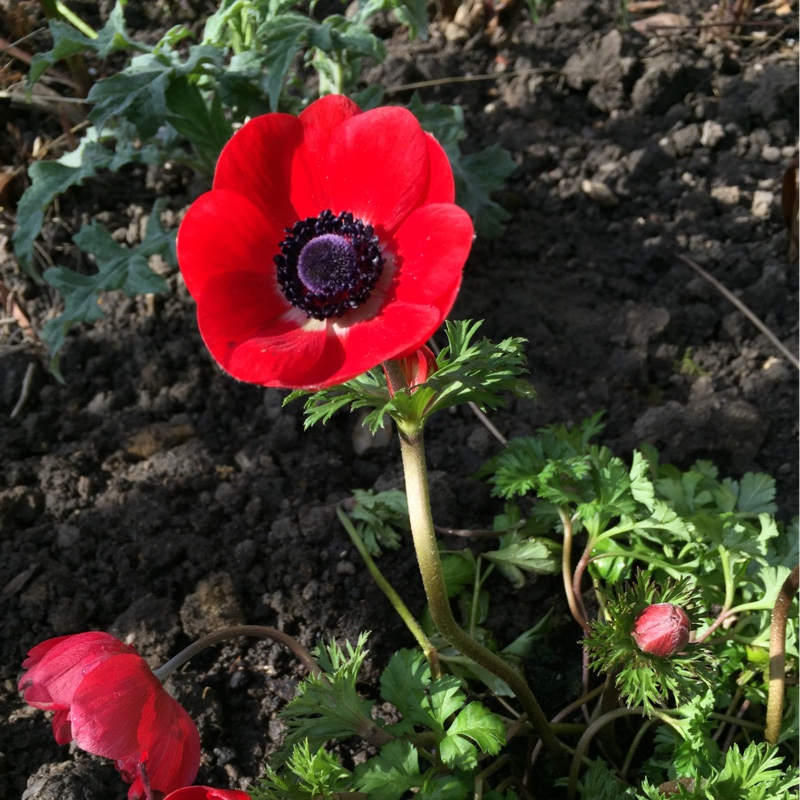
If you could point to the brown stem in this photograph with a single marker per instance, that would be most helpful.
(777, 656)
(572, 591)
(260, 631)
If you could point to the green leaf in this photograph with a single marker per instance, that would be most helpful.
(474, 726)
(328, 706)
(641, 486)
(304, 777)
(476, 175)
(536, 555)
(467, 371)
(118, 268)
(445, 698)
(412, 13)
(459, 571)
(284, 36)
(477, 371)
(390, 774)
(445, 787)
(48, 180)
(377, 517)
(404, 683)
(601, 783)
(137, 93)
(201, 121)
(68, 41)
(556, 463)
(757, 494)
(521, 646)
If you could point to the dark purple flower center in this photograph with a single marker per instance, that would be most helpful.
(329, 264)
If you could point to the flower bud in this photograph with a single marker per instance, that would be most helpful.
(661, 630)
(416, 368)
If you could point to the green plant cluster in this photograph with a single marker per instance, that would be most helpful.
(180, 102)
(649, 533)
(753, 774)
(434, 748)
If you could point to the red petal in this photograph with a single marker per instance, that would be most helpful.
(169, 747)
(377, 167)
(432, 246)
(397, 328)
(224, 232)
(441, 187)
(108, 705)
(254, 334)
(62, 727)
(257, 162)
(207, 793)
(37, 652)
(283, 357)
(57, 666)
(310, 192)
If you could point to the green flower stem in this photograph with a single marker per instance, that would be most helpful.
(55, 8)
(777, 656)
(637, 739)
(731, 720)
(758, 605)
(572, 583)
(261, 631)
(725, 560)
(476, 594)
(431, 654)
(430, 565)
(596, 725)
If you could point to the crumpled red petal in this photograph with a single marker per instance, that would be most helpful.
(56, 667)
(169, 748)
(158, 730)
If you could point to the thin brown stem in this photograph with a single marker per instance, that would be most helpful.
(574, 600)
(260, 631)
(731, 298)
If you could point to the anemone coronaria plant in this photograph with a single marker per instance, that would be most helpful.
(329, 243)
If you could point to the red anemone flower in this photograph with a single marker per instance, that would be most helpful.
(207, 793)
(108, 700)
(328, 244)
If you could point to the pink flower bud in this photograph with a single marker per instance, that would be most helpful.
(661, 630)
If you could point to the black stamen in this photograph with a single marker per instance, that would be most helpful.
(329, 264)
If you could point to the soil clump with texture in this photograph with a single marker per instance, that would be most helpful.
(156, 498)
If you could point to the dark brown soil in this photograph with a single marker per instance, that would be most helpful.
(154, 497)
